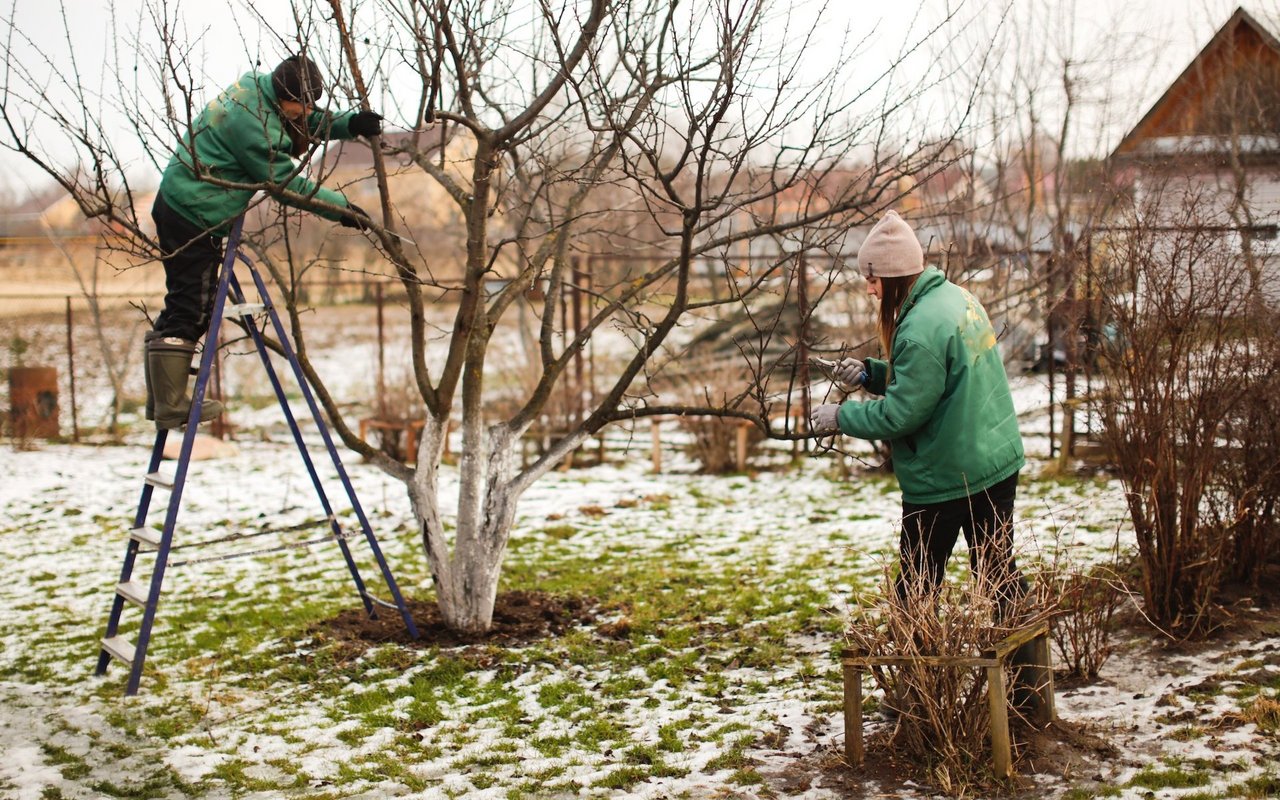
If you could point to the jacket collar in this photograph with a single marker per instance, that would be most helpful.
(929, 280)
(268, 90)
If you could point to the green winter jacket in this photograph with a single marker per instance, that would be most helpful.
(241, 137)
(947, 408)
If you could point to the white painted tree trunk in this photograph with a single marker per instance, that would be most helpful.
(466, 574)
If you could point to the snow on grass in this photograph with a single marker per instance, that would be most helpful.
(733, 590)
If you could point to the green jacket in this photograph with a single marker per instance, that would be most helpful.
(947, 408)
(241, 137)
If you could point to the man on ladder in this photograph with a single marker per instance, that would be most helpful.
(244, 140)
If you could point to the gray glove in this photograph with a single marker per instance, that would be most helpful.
(822, 419)
(850, 374)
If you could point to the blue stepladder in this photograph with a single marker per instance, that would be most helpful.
(143, 541)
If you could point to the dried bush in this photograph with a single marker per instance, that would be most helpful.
(942, 713)
(398, 402)
(715, 442)
(1181, 410)
(1250, 479)
(715, 439)
(1083, 603)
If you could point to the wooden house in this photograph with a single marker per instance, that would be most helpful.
(1207, 154)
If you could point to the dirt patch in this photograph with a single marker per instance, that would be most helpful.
(518, 618)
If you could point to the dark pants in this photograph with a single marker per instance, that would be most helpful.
(929, 533)
(191, 260)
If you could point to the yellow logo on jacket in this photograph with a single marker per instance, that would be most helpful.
(977, 333)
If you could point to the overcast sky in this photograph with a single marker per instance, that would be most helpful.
(1162, 37)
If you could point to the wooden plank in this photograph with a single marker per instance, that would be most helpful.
(853, 751)
(1046, 710)
(1015, 640)
(927, 661)
(997, 703)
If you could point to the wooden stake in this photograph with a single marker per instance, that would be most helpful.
(853, 752)
(997, 702)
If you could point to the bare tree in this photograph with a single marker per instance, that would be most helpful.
(1037, 180)
(683, 134)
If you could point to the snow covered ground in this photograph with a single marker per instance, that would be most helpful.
(242, 698)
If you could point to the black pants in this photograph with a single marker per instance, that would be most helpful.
(191, 260)
(929, 533)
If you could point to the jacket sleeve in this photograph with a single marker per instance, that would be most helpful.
(877, 375)
(329, 126)
(264, 162)
(919, 379)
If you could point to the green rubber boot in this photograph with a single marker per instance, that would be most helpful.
(150, 408)
(169, 365)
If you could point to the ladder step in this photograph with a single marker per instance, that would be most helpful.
(146, 536)
(120, 648)
(380, 602)
(134, 592)
(232, 310)
(159, 480)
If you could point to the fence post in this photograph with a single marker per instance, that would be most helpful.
(853, 751)
(802, 354)
(382, 385)
(740, 452)
(656, 447)
(71, 373)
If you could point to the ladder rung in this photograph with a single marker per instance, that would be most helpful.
(379, 602)
(134, 592)
(242, 309)
(159, 480)
(146, 536)
(119, 648)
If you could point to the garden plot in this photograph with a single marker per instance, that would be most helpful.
(707, 665)
(711, 666)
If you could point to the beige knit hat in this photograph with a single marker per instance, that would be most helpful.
(891, 250)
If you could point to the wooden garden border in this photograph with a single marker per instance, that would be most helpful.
(993, 660)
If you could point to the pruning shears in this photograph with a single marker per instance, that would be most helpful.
(828, 369)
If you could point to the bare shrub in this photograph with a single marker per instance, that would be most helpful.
(1083, 602)
(715, 442)
(942, 712)
(1182, 386)
(1250, 478)
(398, 403)
(715, 439)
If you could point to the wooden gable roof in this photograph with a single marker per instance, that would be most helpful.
(1233, 81)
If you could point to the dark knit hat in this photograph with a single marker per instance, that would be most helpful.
(298, 78)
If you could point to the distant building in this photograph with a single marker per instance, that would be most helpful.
(1207, 154)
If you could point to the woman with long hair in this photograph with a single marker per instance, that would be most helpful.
(942, 401)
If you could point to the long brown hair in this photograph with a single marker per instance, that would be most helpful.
(893, 293)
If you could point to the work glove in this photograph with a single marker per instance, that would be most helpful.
(365, 123)
(822, 419)
(356, 217)
(850, 373)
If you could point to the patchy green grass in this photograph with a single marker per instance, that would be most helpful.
(725, 612)
(1173, 777)
(1091, 792)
